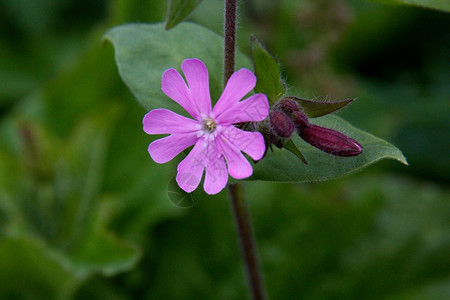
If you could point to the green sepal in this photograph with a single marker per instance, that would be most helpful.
(290, 145)
(314, 109)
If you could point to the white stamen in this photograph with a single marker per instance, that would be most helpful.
(209, 125)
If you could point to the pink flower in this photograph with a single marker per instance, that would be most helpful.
(217, 142)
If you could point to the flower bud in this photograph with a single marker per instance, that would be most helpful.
(300, 120)
(287, 106)
(330, 141)
(280, 123)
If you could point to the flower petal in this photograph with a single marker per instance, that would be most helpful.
(239, 85)
(173, 85)
(238, 166)
(216, 176)
(197, 78)
(254, 108)
(165, 149)
(190, 169)
(251, 143)
(164, 121)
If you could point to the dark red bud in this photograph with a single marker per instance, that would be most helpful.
(272, 138)
(330, 141)
(287, 106)
(300, 120)
(280, 123)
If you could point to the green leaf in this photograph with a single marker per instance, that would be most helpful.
(281, 165)
(443, 5)
(178, 10)
(58, 198)
(29, 271)
(145, 51)
(290, 145)
(267, 71)
(314, 109)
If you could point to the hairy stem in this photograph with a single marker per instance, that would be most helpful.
(238, 203)
(230, 38)
(247, 241)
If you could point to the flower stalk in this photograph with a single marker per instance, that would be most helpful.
(247, 241)
(238, 202)
(230, 38)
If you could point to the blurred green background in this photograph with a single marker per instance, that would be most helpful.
(84, 212)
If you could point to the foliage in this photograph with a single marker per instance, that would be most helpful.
(267, 70)
(435, 4)
(178, 10)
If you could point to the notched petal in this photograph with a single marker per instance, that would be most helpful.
(251, 143)
(252, 109)
(190, 169)
(197, 78)
(173, 86)
(164, 121)
(238, 165)
(239, 85)
(216, 176)
(165, 149)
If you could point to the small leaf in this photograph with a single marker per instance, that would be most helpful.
(289, 145)
(178, 10)
(280, 165)
(267, 71)
(443, 5)
(314, 109)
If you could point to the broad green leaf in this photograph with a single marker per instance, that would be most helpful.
(88, 247)
(314, 109)
(29, 271)
(443, 5)
(267, 71)
(144, 51)
(178, 10)
(281, 165)
(58, 198)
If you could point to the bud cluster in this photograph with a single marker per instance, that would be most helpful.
(285, 117)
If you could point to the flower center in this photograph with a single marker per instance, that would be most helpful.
(209, 125)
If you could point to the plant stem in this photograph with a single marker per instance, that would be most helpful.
(230, 38)
(247, 241)
(238, 203)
